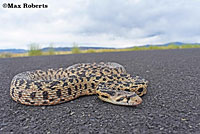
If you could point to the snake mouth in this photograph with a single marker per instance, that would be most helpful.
(136, 102)
(132, 100)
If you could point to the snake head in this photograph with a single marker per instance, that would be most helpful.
(119, 97)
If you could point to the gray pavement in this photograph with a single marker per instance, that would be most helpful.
(172, 104)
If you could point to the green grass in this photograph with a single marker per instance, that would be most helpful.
(76, 49)
(51, 50)
(34, 50)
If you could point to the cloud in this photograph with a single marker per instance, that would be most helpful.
(113, 23)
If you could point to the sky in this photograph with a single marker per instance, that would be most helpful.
(99, 23)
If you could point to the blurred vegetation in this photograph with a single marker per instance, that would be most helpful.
(90, 51)
(6, 55)
(76, 49)
(51, 50)
(35, 50)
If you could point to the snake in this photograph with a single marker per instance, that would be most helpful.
(109, 81)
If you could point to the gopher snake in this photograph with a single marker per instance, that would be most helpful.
(109, 81)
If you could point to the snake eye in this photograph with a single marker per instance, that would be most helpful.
(140, 89)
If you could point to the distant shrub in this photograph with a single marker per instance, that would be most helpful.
(51, 50)
(34, 50)
(172, 46)
(90, 51)
(76, 49)
(154, 47)
(190, 46)
(135, 48)
(5, 55)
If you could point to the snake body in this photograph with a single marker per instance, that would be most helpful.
(109, 81)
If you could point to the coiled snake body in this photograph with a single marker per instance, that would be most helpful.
(108, 80)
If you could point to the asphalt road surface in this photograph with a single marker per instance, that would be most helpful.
(171, 105)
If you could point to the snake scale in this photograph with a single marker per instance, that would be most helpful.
(109, 81)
